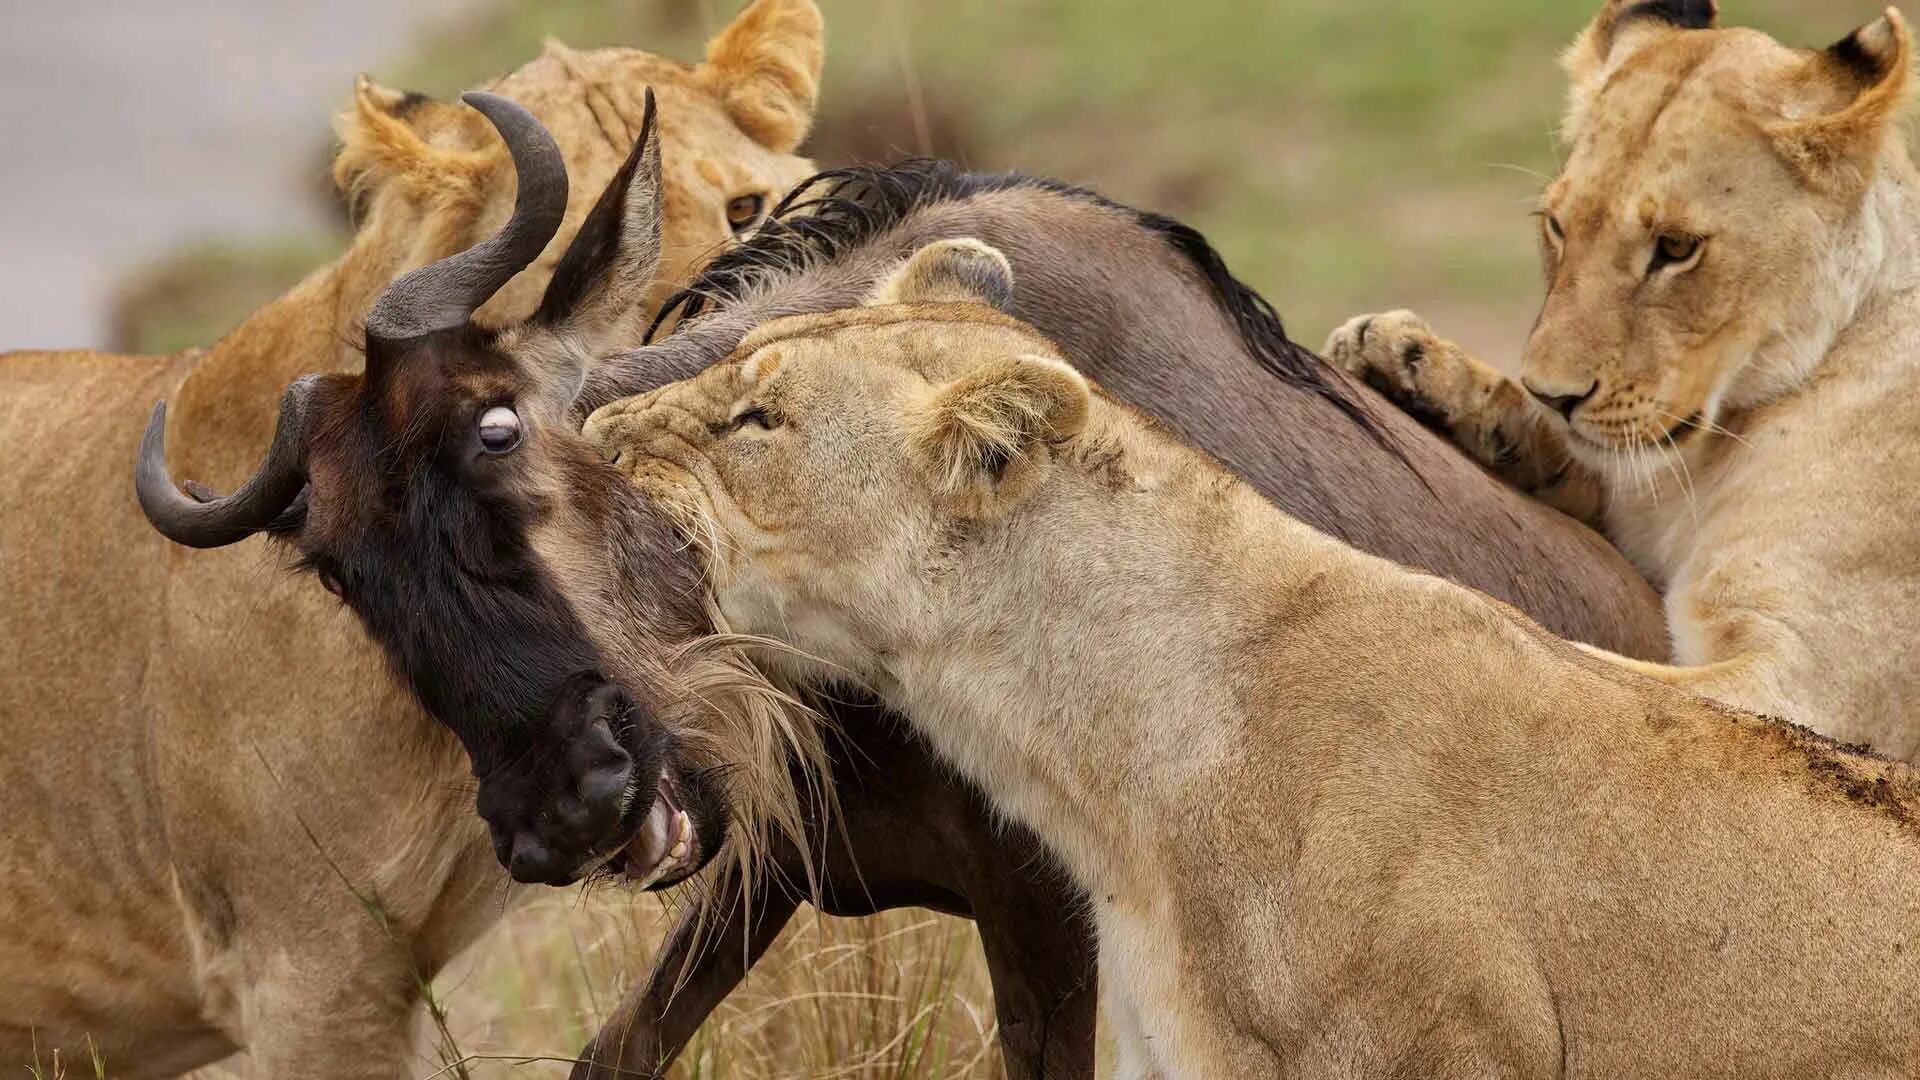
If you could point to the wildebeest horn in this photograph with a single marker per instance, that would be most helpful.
(219, 521)
(445, 294)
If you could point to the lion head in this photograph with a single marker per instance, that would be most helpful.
(434, 175)
(819, 468)
(1717, 221)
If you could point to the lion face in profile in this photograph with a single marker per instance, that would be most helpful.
(820, 469)
(1706, 239)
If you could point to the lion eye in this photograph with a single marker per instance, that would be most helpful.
(743, 212)
(756, 416)
(1553, 228)
(1673, 249)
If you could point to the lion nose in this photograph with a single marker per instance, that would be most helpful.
(1564, 404)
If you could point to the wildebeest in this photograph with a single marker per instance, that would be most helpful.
(206, 760)
(1143, 301)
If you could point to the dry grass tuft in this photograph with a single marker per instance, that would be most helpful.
(901, 995)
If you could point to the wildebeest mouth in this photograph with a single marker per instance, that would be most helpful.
(666, 849)
(680, 831)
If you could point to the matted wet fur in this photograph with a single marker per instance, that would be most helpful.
(1725, 374)
(228, 827)
(1289, 775)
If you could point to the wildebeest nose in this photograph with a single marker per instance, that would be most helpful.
(603, 790)
(1564, 404)
(604, 771)
(534, 863)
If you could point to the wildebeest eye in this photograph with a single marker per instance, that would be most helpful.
(499, 430)
(743, 211)
(331, 583)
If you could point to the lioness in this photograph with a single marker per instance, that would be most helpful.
(227, 827)
(1337, 819)
(1726, 374)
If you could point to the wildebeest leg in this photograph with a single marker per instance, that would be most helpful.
(917, 835)
(909, 834)
(1044, 990)
(658, 1017)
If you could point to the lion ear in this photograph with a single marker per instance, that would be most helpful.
(388, 135)
(1870, 71)
(765, 68)
(960, 271)
(1622, 28)
(986, 438)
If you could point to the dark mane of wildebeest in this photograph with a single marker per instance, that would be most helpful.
(836, 211)
(1145, 306)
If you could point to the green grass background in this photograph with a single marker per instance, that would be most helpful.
(1345, 156)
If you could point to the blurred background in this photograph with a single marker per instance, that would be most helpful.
(168, 161)
(167, 172)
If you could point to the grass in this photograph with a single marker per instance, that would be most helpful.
(1344, 156)
(52, 1067)
(192, 296)
(901, 995)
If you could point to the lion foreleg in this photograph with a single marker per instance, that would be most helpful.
(1488, 415)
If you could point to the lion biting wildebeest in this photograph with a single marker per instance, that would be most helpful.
(470, 417)
(203, 753)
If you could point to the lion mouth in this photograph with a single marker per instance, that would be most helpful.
(1684, 428)
(1671, 437)
(664, 851)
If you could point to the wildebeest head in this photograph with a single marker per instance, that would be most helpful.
(446, 497)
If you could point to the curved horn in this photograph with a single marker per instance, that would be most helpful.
(445, 294)
(216, 522)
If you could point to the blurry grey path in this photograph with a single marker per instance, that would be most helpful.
(129, 126)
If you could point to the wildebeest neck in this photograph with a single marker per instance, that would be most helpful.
(1144, 307)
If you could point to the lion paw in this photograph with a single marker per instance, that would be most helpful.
(1398, 354)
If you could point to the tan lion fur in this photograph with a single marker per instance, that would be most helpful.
(206, 760)
(1337, 819)
(1750, 431)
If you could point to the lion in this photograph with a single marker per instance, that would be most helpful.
(1290, 775)
(228, 827)
(1725, 377)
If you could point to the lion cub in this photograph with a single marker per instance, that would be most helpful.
(1726, 374)
(1338, 819)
